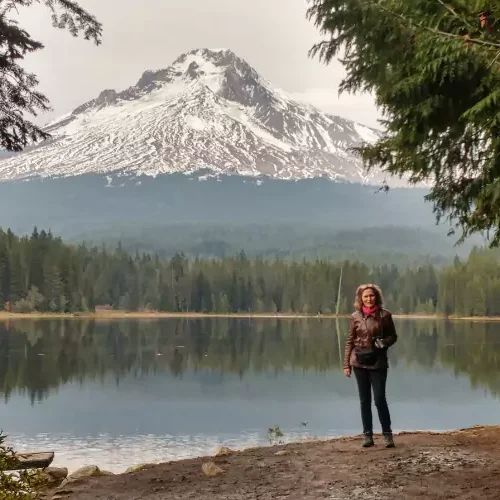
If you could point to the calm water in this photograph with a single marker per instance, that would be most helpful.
(116, 393)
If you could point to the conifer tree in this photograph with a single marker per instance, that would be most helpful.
(464, 286)
(434, 69)
(18, 94)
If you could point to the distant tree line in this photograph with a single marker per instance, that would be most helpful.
(41, 273)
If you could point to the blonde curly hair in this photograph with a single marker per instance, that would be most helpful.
(379, 298)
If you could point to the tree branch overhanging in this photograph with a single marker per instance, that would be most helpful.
(440, 99)
(18, 95)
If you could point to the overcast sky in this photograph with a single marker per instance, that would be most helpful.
(274, 37)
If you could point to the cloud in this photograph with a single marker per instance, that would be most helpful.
(360, 108)
(274, 36)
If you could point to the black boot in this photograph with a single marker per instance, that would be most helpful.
(368, 441)
(389, 440)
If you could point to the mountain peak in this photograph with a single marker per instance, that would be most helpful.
(221, 70)
(208, 111)
(207, 54)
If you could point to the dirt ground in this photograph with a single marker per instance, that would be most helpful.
(457, 465)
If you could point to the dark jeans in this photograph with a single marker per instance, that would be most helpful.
(376, 379)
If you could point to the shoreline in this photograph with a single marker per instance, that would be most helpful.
(465, 462)
(113, 315)
(223, 450)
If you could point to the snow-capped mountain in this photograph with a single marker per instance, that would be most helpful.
(209, 111)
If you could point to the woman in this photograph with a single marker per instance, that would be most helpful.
(371, 333)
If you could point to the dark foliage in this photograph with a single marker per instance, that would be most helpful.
(42, 273)
(18, 94)
(433, 67)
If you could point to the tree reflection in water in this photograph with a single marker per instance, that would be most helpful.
(38, 356)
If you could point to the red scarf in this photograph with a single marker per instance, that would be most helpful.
(367, 311)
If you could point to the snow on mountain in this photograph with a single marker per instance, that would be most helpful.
(209, 111)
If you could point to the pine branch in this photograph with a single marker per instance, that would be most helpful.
(494, 60)
(455, 14)
(436, 31)
(18, 94)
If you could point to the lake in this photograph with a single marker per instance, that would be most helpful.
(121, 392)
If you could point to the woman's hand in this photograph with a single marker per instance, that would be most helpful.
(347, 372)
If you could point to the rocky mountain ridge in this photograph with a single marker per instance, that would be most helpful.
(208, 112)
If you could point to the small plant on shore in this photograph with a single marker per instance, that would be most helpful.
(21, 485)
(274, 435)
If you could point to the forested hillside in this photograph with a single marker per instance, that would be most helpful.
(376, 244)
(40, 272)
(82, 204)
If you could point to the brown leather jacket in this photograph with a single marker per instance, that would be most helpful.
(363, 330)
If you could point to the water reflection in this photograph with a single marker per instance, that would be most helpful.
(120, 392)
(37, 357)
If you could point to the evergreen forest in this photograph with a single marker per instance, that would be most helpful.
(40, 272)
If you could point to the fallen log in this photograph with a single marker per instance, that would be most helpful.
(39, 460)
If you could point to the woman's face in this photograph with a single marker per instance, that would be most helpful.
(369, 298)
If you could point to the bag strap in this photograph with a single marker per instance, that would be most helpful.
(381, 336)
